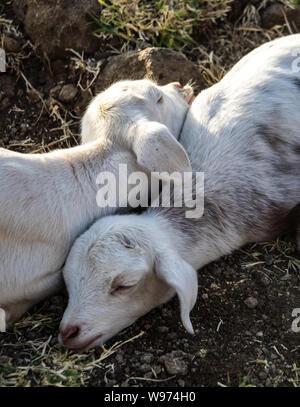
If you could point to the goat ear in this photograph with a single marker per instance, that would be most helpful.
(182, 277)
(157, 150)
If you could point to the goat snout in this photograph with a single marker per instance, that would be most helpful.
(69, 334)
(73, 337)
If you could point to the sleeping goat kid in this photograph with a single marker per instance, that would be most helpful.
(47, 200)
(244, 134)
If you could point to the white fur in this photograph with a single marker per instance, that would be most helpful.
(244, 133)
(47, 200)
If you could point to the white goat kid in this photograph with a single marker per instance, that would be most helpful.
(244, 134)
(47, 200)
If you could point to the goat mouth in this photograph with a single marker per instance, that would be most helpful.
(81, 347)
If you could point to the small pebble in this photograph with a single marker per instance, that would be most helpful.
(265, 281)
(68, 93)
(174, 362)
(4, 104)
(163, 329)
(119, 358)
(147, 358)
(11, 45)
(251, 302)
(145, 368)
(33, 96)
(148, 375)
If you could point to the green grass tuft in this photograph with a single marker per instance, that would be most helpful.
(162, 23)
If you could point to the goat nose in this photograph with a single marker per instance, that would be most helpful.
(177, 84)
(69, 333)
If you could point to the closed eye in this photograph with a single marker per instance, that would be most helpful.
(160, 99)
(121, 289)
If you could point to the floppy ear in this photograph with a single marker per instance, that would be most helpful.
(157, 150)
(182, 277)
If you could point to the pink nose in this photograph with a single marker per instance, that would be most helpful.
(69, 334)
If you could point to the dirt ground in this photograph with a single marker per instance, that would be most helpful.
(243, 316)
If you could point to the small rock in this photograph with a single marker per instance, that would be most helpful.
(148, 375)
(157, 369)
(11, 45)
(174, 362)
(7, 85)
(268, 383)
(262, 375)
(274, 15)
(265, 281)
(171, 335)
(4, 104)
(260, 334)
(237, 7)
(251, 302)
(60, 24)
(119, 358)
(166, 313)
(159, 64)
(67, 93)
(205, 296)
(163, 329)
(269, 259)
(147, 358)
(33, 96)
(145, 368)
